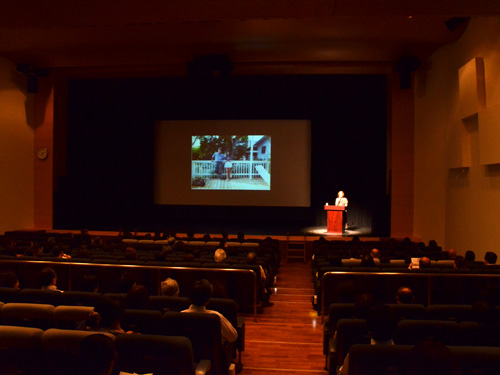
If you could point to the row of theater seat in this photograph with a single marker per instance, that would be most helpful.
(398, 360)
(203, 330)
(412, 332)
(32, 351)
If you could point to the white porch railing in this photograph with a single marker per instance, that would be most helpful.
(206, 168)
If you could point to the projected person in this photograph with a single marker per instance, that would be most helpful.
(219, 158)
(341, 200)
(228, 165)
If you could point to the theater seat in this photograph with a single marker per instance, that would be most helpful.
(28, 315)
(411, 332)
(17, 344)
(160, 355)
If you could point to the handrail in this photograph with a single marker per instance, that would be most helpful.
(157, 268)
(428, 275)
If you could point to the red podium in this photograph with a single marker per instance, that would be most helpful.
(334, 219)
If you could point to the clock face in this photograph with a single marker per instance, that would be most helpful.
(42, 153)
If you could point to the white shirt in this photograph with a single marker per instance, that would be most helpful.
(228, 332)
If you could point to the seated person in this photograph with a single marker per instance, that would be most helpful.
(137, 297)
(9, 280)
(220, 256)
(105, 317)
(170, 288)
(382, 323)
(199, 299)
(251, 258)
(405, 296)
(490, 258)
(48, 279)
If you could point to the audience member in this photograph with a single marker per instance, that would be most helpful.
(48, 279)
(170, 287)
(251, 258)
(364, 302)
(220, 256)
(130, 253)
(96, 355)
(127, 281)
(9, 280)
(381, 321)
(490, 258)
(470, 256)
(199, 299)
(90, 283)
(431, 358)
(106, 316)
(405, 296)
(137, 297)
(375, 253)
(460, 263)
(367, 261)
(452, 254)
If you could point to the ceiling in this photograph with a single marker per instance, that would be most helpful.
(110, 33)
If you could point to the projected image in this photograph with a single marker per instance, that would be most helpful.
(231, 162)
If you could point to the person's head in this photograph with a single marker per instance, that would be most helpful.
(227, 154)
(48, 277)
(109, 310)
(170, 287)
(460, 262)
(90, 283)
(96, 355)
(251, 258)
(188, 257)
(362, 304)
(425, 262)
(340, 194)
(431, 358)
(452, 254)
(130, 253)
(381, 321)
(490, 257)
(219, 150)
(220, 256)
(137, 297)
(9, 280)
(375, 253)
(201, 293)
(470, 256)
(405, 295)
(127, 281)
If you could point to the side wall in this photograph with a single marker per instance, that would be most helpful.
(458, 207)
(16, 151)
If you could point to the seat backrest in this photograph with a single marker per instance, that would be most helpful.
(456, 313)
(141, 321)
(9, 295)
(408, 311)
(166, 303)
(350, 332)
(378, 359)
(61, 350)
(16, 345)
(204, 331)
(411, 332)
(75, 298)
(50, 297)
(28, 315)
(69, 317)
(160, 355)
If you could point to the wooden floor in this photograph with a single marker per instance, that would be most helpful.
(287, 338)
(235, 183)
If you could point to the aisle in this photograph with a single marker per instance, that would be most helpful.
(288, 337)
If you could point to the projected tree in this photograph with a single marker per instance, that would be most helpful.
(203, 147)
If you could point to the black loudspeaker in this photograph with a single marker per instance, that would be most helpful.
(455, 22)
(405, 66)
(32, 74)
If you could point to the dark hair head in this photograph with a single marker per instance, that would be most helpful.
(137, 297)
(96, 355)
(127, 281)
(470, 256)
(432, 358)
(381, 321)
(490, 257)
(201, 293)
(90, 283)
(47, 276)
(362, 304)
(109, 310)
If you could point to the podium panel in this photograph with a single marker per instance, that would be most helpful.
(335, 216)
